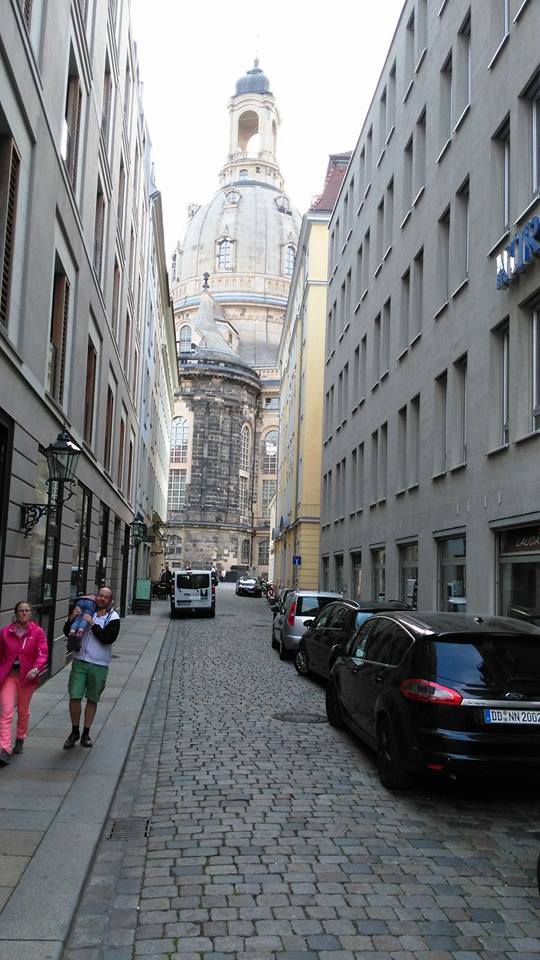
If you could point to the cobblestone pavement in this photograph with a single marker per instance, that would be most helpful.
(274, 840)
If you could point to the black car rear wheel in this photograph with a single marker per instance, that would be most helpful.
(283, 652)
(274, 642)
(301, 662)
(393, 773)
(333, 709)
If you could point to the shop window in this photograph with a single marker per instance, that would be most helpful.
(356, 575)
(452, 575)
(338, 573)
(519, 556)
(81, 541)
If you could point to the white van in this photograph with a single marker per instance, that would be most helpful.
(193, 591)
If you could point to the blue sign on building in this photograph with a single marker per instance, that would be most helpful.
(297, 560)
(518, 254)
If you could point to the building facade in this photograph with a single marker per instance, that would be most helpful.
(301, 369)
(75, 220)
(235, 267)
(432, 389)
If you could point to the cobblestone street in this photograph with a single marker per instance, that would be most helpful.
(274, 839)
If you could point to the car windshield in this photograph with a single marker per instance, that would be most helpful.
(490, 660)
(310, 606)
(192, 581)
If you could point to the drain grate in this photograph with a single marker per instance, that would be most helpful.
(130, 828)
(300, 716)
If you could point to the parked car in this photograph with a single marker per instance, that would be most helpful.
(277, 602)
(335, 624)
(248, 587)
(446, 693)
(297, 607)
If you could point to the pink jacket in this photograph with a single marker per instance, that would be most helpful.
(31, 649)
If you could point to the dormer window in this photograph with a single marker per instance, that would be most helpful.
(243, 174)
(225, 253)
(290, 256)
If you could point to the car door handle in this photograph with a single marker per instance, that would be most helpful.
(378, 679)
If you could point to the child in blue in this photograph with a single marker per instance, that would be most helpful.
(87, 604)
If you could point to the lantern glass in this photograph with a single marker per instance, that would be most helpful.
(62, 459)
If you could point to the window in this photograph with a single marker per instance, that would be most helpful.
(290, 254)
(460, 375)
(389, 217)
(402, 450)
(408, 566)
(185, 338)
(376, 348)
(445, 102)
(89, 393)
(362, 370)
(115, 298)
(270, 446)
(441, 424)
(69, 147)
(121, 195)
(533, 94)
(413, 466)
(407, 177)
(462, 237)
(243, 174)
(271, 403)
(127, 346)
(224, 255)
(417, 310)
(421, 30)
(338, 572)
(264, 552)
(443, 272)
(463, 67)
(81, 541)
(391, 101)
(356, 575)
(502, 380)
(374, 466)
(385, 337)
(382, 121)
(130, 468)
(405, 310)
(535, 329)
(177, 490)
(121, 451)
(243, 494)
(99, 231)
(324, 572)
(380, 233)
(420, 155)
(58, 333)
(9, 181)
(378, 572)
(244, 447)
(409, 53)
(501, 141)
(365, 260)
(383, 462)
(179, 440)
(109, 425)
(106, 106)
(452, 575)
(268, 491)
(369, 154)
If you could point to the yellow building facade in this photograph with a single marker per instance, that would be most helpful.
(301, 368)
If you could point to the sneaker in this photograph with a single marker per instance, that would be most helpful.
(5, 758)
(86, 740)
(71, 740)
(19, 745)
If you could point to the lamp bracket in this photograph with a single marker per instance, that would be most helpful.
(33, 512)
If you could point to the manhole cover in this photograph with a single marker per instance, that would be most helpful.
(129, 829)
(300, 716)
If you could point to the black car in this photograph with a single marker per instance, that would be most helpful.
(447, 693)
(335, 625)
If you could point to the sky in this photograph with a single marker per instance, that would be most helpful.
(323, 62)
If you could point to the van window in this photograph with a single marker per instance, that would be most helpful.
(192, 581)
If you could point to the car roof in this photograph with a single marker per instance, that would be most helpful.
(318, 593)
(432, 623)
(376, 605)
(190, 570)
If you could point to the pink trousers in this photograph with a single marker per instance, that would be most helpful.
(14, 692)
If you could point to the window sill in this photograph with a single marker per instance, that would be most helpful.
(528, 436)
(525, 213)
(408, 90)
(349, 235)
(496, 246)
(381, 501)
(405, 219)
(381, 155)
(460, 287)
(400, 493)
(357, 307)
(421, 59)
(439, 476)
(458, 467)
(520, 11)
(359, 211)
(364, 295)
(387, 253)
(372, 505)
(416, 338)
(403, 354)
(413, 486)
(444, 149)
(462, 116)
(375, 386)
(368, 188)
(384, 375)
(441, 310)
(497, 450)
(498, 51)
(419, 195)
(378, 270)
(442, 7)
(390, 134)
(343, 249)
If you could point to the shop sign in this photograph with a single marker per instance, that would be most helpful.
(519, 253)
(523, 540)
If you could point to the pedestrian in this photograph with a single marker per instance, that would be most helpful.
(90, 664)
(23, 654)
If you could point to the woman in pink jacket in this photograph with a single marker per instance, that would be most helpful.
(23, 654)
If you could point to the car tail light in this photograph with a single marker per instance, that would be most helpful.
(426, 691)
(292, 614)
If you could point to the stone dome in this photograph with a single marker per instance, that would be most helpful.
(253, 81)
(255, 217)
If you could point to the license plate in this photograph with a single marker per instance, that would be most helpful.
(512, 716)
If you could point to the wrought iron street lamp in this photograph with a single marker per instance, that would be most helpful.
(62, 459)
(138, 530)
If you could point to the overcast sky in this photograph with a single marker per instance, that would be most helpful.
(322, 60)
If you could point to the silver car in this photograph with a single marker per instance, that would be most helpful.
(297, 606)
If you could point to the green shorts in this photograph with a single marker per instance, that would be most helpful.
(87, 679)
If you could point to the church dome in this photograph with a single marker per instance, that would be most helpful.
(253, 81)
(254, 219)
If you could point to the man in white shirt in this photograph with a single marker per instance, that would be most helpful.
(90, 664)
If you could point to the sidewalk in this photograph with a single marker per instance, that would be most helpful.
(54, 802)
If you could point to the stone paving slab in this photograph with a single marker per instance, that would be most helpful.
(276, 841)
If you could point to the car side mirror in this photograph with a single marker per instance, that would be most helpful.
(308, 623)
(336, 649)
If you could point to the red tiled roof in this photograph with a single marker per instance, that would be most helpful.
(337, 166)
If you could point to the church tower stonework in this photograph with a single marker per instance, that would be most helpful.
(230, 281)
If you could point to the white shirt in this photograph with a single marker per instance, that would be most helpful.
(92, 651)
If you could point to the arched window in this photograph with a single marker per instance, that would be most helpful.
(179, 440)
(290, 255)
(224, 255)
(244, 449)
(243, 495)
(264, 550)
(243, 175)
(269, 459)
(184, 340)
